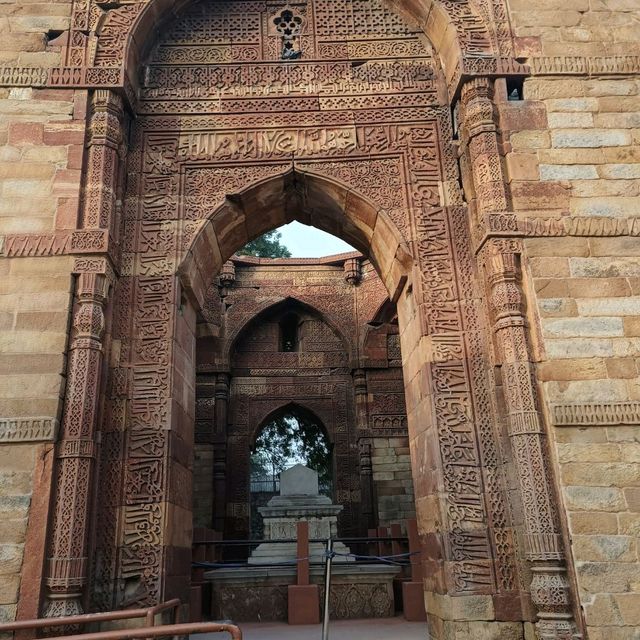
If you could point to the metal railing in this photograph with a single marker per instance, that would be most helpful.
(169, 630)
(148, 613)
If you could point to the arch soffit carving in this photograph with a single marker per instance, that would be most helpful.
(310, 198)
(266, 308)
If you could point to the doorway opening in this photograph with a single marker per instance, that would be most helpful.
(291, 436)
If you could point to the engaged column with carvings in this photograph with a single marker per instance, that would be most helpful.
(66, 575)
(103, 166)
(550, 589)
(364, 446)
(220, 451)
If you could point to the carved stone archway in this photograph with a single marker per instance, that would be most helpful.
(357, 140)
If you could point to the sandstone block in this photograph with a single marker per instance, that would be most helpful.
(631, 452)
(528, 140)
(609, 306)
(549, 267)
(602, 610)
(543, 89)
(600, 268)
(583, 327)
(9, 586)
(558, 307)
(570, 119)
(7, 612)
(579, 348)
(572, 104)
(522, 166)
(629, 524)
(598, 287)
(580, 435)
(594, 499)
(571, 156)
(629, 607)
(540, 195)
(10, 559)
(561, 247)
(608, 577)
(622, 368)
(605, 548)
(632, 496)
(21, 133)
(589, 452)
(623, 171)
(551, 287)
(590, 138)
(567, 172)
(459, 608)
(593, 523)
(599, 188)
(627, 104)
(572, 369)
(613, 206)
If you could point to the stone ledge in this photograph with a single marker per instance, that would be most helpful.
(28, 429)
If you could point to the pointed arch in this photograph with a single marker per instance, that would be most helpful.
(270, 307)
(290, 405)
(325, 203)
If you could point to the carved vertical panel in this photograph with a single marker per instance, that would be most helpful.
(67, 568)
(542, 537)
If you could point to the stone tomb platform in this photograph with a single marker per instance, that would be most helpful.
(254, 594)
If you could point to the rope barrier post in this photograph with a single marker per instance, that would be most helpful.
(327, 590)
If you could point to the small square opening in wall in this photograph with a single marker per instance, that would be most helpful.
(515, 89)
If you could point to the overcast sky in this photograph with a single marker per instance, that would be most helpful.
(309, 242)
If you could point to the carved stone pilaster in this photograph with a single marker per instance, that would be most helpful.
(66, 575)
(102, 171)
(479, 134)
(550, 589)
(220, 451)
(364, 446)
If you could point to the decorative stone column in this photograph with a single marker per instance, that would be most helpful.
(66, 575)
(550, 589)
(220, 451)
(364, 447)
(104, 144)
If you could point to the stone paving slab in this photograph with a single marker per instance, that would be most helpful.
(379, 629)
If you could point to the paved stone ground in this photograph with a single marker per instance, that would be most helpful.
(380, 629)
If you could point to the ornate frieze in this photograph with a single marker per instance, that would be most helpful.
(28, 429)
(595, 414)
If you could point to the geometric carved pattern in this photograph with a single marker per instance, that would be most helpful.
(28, 429)
(596, 414)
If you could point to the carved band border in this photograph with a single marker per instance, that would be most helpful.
(596, 414)
(495, 225)
(29, 429)
(580, 65)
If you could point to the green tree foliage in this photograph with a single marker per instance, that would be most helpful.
(266, 246)
(291, 438)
